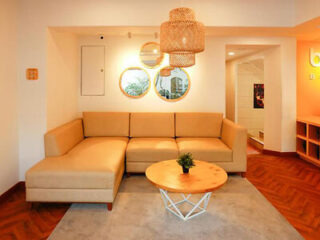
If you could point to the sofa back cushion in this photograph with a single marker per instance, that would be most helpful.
(106, 124)
(61, 139)
(198, 124)
(152, 125)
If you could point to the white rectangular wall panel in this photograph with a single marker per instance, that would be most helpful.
(92, 70)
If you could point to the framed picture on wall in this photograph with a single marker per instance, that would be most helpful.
(258, 95)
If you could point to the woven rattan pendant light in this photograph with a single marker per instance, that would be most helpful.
(182, 36)
(182, 59)
(166, 72)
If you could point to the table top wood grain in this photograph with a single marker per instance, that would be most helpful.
(202, 178)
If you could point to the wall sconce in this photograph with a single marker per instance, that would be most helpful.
(313, 57)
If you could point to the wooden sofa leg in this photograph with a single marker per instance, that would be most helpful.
(243, 174)
(109, 205)
(128, 174)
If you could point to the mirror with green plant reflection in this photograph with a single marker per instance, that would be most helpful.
(134, 82)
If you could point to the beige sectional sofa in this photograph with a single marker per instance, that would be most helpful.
(86, 158)
(152, 140)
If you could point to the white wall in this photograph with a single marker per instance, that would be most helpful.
(249, 74)
(288, 95)
(35, 16)
(280, 90)
(8, 96)
(273, 102)
(62, 78)
(231, 76)
(207, 92)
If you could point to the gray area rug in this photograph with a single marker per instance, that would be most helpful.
(235, 211)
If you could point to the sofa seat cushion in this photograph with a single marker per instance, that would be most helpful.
(206, 149)
(94, 163)
(151, 149)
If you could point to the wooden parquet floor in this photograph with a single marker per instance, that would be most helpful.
(290, 184)
(19, 221)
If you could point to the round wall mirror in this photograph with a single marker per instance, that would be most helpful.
(134, 82)
(172, 84)
(150, 55)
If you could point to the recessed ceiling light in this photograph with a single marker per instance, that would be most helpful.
(231, 53)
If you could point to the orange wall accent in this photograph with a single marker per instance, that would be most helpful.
(308, 91)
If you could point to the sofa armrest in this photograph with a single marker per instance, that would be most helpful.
(235, 137)
(61, 139)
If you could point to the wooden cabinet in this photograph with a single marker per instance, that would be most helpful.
(308, 139)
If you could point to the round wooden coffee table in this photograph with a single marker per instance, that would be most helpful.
(203, 178)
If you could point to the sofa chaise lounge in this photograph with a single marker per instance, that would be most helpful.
(86, 158)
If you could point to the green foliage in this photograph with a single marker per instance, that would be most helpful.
(137, 88)
(186, 160)
(164, 92)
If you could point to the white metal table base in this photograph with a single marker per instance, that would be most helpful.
(172, 206)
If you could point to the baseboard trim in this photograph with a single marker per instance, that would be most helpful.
(10, 191)
(279, 154)
(255, 144)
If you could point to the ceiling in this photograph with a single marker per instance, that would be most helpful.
(252, 66)
(309, 30)
(243, 50)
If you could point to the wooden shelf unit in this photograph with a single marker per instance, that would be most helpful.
(308, 139)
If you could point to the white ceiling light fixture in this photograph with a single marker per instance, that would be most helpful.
(231, 53)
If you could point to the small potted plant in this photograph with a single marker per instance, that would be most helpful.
(186, 162)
